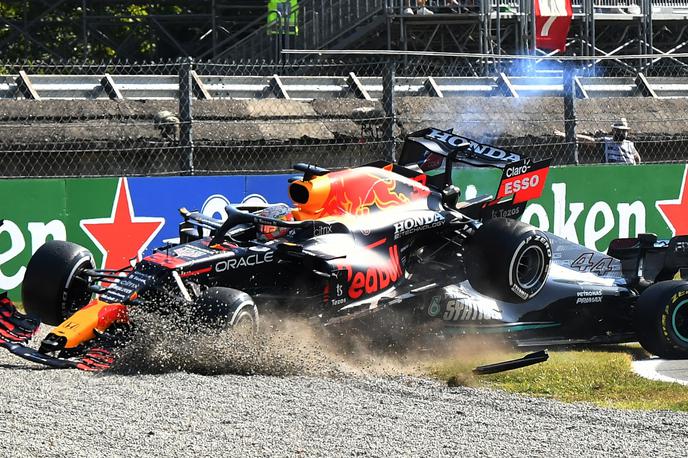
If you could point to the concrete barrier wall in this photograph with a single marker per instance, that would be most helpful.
(475, 116)
(527, 124)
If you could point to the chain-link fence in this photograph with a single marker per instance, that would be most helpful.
(190, 117)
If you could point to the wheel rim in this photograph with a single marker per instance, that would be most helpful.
(679, 321)
(73, 302)
(244, 325)
(530, 266)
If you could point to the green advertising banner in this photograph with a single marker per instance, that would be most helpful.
(594, 204)
(33, 211)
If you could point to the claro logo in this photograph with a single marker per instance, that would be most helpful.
(376, 278)
(250, 260)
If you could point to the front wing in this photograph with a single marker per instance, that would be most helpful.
(16, 329)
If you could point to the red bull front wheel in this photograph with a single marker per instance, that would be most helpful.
(52, 289)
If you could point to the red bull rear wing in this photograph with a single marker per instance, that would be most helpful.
(429, 147)
(433, 150)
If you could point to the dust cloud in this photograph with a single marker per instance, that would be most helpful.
(283, 347)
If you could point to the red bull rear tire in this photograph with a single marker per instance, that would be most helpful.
(507, 260)
(227, 308)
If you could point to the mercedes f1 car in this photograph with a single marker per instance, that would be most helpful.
(362, 247)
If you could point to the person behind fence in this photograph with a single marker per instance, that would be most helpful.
(617, 148)
(423, 9)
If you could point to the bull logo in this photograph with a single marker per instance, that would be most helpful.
(359, 191)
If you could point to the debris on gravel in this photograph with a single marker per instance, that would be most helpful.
(70, 413)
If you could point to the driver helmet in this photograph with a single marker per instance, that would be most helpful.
(430, 161)
(281, 212)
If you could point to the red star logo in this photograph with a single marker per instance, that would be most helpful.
(675, 211)
(122, 236)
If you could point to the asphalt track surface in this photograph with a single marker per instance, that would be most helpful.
(677, 370)
(671, 371)
(299, 402)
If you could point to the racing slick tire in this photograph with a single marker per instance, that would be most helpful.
(51, 290)
(661, 319)
(507, 260)
(227, 308)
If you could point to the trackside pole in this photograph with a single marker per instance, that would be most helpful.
(570, 112)
(185, 115)
(388, 105)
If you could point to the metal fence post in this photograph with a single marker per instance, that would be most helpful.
(185, 115)
(388, 80)
(570, 112)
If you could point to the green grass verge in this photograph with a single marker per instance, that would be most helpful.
(600, 377)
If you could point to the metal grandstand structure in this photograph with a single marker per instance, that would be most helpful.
(333, 82)
(246, 29)
(600, 27)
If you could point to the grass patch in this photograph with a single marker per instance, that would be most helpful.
(601, 377)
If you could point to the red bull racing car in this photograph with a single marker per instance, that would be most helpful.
(382, 248)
